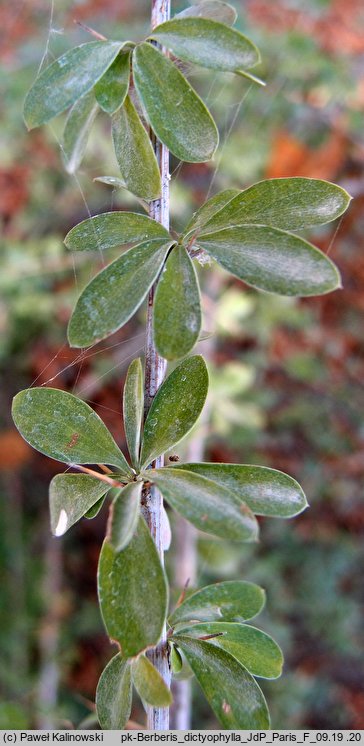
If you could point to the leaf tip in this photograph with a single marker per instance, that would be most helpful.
(339, 283)
(28, 122)
(72, 338)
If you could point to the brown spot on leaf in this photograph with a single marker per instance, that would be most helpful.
(73, 440)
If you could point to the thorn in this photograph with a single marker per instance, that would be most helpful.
(105, 469)
(183, 593)
(91, 31)
(210, 637)
(97, 475)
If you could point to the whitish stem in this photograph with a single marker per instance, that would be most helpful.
(155, 368)
(185, 535)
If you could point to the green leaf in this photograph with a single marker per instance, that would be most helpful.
(207, 43)
(133, 408)
(126, 580)
(214, 9)
(266, 491)
(114, 694)
(210, 507)
(231, 601)
(112, 181)
(184, 670)
(207, 211)
(70, 497)
(125, 515)
(65, 428)
(176, 660)
(176, 113)
(112, 88)
(111, 229)
(77, 129)
(177, 310)
(290, 204)
(94, 511)
(272, 260)
(231, 691)
(175, 408)
(149, 684)
(255, 650)
(68, 79)
(113, 296)
(134, 153)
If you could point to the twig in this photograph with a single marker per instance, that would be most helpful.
(91, 31)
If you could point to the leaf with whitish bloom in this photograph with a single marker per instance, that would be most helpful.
(208, 506)
(77, 129)
(67, 79)
(113, 296)
(175, 408)
(231, 691)
(290, 204)
(271, 259)
(207, 211)
(94, 511)
(176, 113)
(134, 153)
(114, 694)
(230, 601)
(126, 580)
(125, 511)
(65, 428)
(111, 229)
(176, 660)
(133, 408)
(214, 9)
(71, 496)
(177, 309)
(149, 684)
(207, 43)
(254, 649)
(266, 491)
(112, 88)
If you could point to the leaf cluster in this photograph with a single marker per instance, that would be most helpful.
(250, 233)
(208, 636)
(219, 499)
(131, 82)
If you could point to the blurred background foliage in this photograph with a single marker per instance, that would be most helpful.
(286, 375)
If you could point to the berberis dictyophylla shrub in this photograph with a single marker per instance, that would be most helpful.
(253, 235)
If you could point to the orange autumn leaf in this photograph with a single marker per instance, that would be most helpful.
(292, 157)
(14, 451)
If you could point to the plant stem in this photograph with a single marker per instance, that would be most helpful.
(155, 368)
(185, 558)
